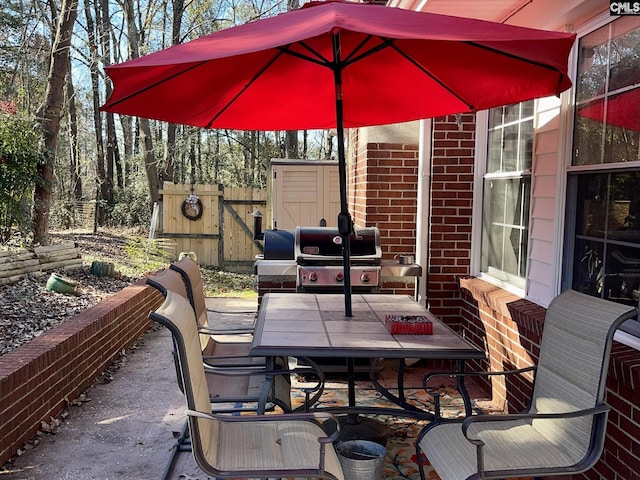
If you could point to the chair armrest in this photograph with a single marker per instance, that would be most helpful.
(224, 361)
(469, 421)
(319, 417)
(433, 390)
(244, 329)
(226, 331)
(429, 376)
(317, 389)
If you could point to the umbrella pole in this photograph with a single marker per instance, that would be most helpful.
(345, 224)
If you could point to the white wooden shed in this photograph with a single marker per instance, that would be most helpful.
(303, 193)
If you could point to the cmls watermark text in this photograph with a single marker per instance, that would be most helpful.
(624, 8)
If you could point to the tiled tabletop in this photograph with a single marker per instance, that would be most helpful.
(314, 325)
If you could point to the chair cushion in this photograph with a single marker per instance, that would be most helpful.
(271, 446)
(510, 445)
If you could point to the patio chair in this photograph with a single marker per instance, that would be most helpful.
(237, 382)
(192, 277)
(563, 430)
(226, 345)
(236, 341)
(256, 446)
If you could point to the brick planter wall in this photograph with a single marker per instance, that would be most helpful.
(38, 379)
(511, 329)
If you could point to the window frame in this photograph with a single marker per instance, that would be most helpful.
(502, 279)
(570, 176)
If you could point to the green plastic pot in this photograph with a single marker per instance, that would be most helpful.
(59, 284)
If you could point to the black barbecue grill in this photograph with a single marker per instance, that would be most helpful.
(318, 254)
(315, 255)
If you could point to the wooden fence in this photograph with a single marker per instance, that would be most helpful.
(222, 235)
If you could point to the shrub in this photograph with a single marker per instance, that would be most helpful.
(20, 153)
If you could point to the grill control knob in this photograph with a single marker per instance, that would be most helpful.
(365, 277)
(339, 277)
(313, 277)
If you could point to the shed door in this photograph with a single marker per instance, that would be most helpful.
(303, 195)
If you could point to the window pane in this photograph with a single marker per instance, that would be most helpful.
(494, 154)
(608, 265)
(496, 117)
(624, 207)
(506, 216)
(607, 124)
(622, 274)
(588, 271)
(510, 149)
(591, 215)
(526, 145)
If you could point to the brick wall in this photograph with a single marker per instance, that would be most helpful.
(449, 248)
(510, 329)
(383, 194)
(38, 379)
(274, 283)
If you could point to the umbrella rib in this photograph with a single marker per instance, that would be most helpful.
(320, 60)
(153, 85)
(352, 58)
(516, 57)
(243, 89)
(431, 75)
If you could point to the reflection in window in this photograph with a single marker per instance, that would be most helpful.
(604, 204)
(607, 123)
(507, 188)
(607, 242)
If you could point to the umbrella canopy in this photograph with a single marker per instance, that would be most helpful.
(341, 64)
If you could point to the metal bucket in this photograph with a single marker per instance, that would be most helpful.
(361, 459)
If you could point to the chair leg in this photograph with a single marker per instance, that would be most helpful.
(419, 461)
(182, 444)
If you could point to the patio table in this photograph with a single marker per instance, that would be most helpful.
(314, 325)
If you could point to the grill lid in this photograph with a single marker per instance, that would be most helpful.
(324, 244)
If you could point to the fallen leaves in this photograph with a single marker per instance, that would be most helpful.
(28, 309)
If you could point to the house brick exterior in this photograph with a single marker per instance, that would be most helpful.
(507, 326)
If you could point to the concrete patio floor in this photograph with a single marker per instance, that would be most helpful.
(126, 429)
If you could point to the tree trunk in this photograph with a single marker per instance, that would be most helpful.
(97, 117)
(170, 145)
(74, 154)
(49, 115)
(291, 144)
(104, 31)
(150, 162)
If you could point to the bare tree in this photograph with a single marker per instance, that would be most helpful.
(150, 161)
(49, 116)
(74, 154)
(170, 145)
(101, 175)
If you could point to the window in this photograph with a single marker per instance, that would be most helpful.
(603, 258)
(507, 188)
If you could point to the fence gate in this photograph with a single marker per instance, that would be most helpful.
(216, 223)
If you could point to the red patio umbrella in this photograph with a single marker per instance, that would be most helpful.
(341, 64)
